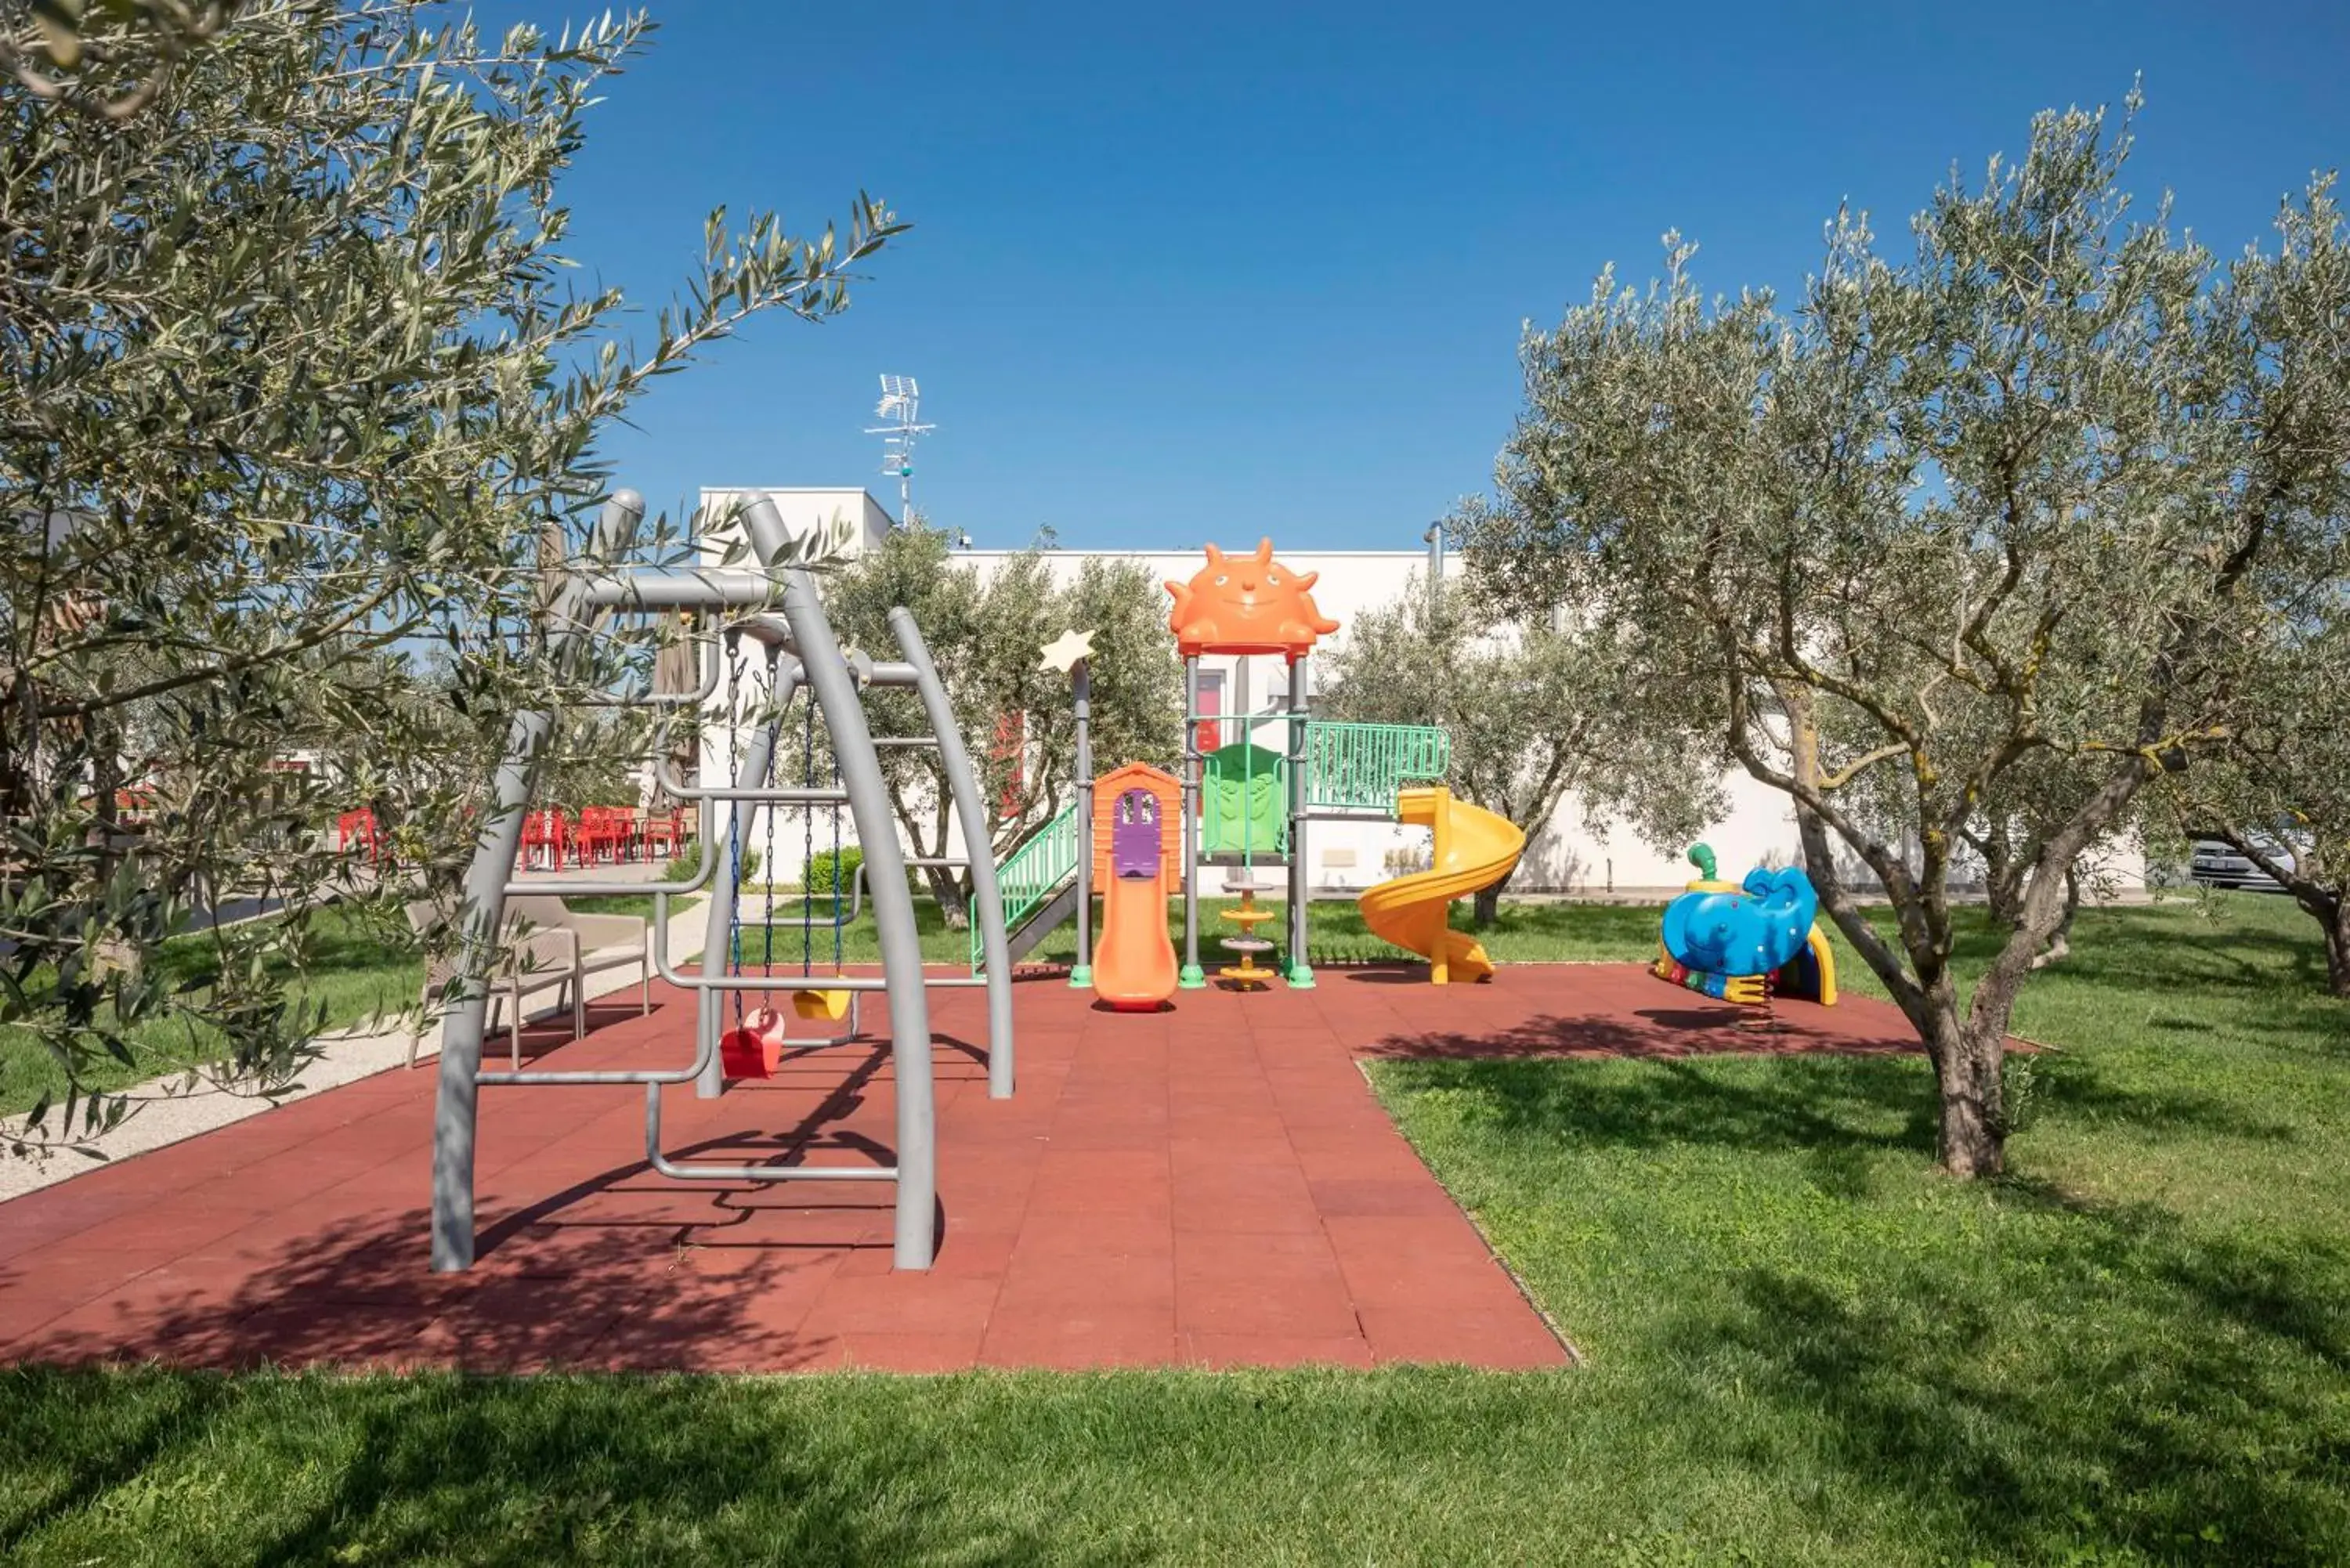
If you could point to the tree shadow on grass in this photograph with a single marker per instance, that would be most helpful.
(110, 1446)
(472, 1447)
(2075, 1377)
(2169, 1432)
(2099, 1378)
(508, 1471)
(2074, 1084)
(1850, 1104)
(2289, 1288)
(1666, 1031)
(1527, 1072)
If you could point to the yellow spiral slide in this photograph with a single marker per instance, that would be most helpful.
(1474, 849)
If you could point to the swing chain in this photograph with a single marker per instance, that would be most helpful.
(807, 845)
(734, 750)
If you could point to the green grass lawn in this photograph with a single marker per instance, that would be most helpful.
(354, 970)
(1803, 1347)
(2134, 1348)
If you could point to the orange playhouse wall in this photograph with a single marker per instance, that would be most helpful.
(1168, 790)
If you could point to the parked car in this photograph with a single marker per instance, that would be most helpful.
(2217, 864)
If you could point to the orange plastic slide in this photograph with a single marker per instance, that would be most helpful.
(1134, 962)
(1474, 849)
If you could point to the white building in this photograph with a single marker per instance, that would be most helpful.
(1566, 856)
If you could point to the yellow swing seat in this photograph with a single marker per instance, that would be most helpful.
(832, 1005)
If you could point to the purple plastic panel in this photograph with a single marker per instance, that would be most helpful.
(1134, 842)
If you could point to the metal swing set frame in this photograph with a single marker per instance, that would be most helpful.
(802, 653)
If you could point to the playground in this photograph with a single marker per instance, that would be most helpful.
(1217, 1188)
(903, 1166)
(1731, 946)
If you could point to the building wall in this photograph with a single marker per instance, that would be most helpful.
(804, 511)
(1567, 856)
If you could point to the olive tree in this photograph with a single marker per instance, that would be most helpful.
(2015, 495)
(987, 632)
(113, 64)
(1536, 711)
(298, 397)
(2277, 788)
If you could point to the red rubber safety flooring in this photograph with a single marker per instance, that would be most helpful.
(1214, 1186)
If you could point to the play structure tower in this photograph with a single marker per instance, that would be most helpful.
(1242, 605)
(1240, 802)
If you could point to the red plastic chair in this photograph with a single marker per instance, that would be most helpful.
(663, 834)
(583, 835)
(603, 835)
(359, 827)
(542, 832)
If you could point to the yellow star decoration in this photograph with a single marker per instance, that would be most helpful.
(1063, 652)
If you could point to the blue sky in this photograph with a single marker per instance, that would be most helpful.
(1206, 271)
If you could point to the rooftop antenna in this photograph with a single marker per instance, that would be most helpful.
(902, 406)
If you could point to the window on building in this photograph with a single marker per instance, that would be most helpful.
(1211, 732)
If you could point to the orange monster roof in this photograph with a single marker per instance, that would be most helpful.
(1246, 604)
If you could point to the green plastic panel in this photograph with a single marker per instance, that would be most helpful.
(1245, 804)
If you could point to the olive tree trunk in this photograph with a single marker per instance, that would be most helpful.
(1488, 902)
(1969, 1056)
(2337, 948)
(2060, 941)
(2314, 885)
(2332, 913)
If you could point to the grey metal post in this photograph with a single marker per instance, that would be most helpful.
(1301, 972)
(726, 891)
(1081, 684)
(893, 907)
(457, 1092)
(986, 896)
(1192, 977)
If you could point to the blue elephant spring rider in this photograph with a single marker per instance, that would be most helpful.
(1747, 943)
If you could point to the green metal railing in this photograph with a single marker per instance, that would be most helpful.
(1361, 767)
(1031, 874)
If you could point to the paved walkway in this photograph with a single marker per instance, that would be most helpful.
(1211, 1185)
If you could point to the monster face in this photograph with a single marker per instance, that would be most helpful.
(1246, 604)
